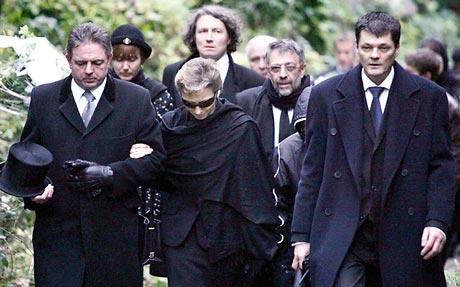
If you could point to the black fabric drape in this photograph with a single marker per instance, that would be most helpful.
(218, 164)
(285, 102)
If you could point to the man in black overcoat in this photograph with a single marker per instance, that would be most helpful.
(213, 32)
(376, 193)
(86, 229)
(272, 104)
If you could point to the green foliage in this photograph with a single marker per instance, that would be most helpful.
(161, 22)
(15, 243)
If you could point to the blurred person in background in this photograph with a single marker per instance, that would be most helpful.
(256, 48)
(345, 56)
(446, 79)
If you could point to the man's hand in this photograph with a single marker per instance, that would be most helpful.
(301, 251)
(139, 150)
(87, 176)
(45, 196)
(432, 242)
(72, 167)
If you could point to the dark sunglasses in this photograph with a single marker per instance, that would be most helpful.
(202, 104)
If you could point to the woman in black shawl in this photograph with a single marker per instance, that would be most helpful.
(218, 217)
(129, 53)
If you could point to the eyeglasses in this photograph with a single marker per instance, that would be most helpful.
(289, 67)
(202, 104)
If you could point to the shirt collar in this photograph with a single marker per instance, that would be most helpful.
(97, 92)
(222, 65)
(367, 83)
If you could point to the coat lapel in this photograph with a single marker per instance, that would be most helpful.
(68, 108)
(263, 114)
(349, 118)
(104, 107)
(230, 86)
(403, 107)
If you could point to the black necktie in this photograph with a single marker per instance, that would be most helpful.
(89, 108)
(284, 127)
(376, 109)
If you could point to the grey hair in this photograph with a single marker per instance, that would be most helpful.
(285, 46)
(88, 32)
(228, 16)
(198, 74)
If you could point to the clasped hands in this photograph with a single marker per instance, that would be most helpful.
(82, 175)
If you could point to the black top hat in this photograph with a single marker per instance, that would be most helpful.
(130, 35)
(24, 172)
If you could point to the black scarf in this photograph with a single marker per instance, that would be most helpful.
(218, 164)
(155, 87)
(285, 102)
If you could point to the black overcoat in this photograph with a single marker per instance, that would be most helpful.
(238, 79)
(81, 241)
(418, 177)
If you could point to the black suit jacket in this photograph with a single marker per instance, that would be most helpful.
(92, 241)
(238, 78)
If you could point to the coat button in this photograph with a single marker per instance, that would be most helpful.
(404, 172)
(333, 131)
(337, 174)
(327, 211)
(374, 188)
(410, 211)
(417, 132)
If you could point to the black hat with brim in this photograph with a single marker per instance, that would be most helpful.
(130, 35)
(24, 172)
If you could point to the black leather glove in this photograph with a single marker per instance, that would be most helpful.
(88, 176)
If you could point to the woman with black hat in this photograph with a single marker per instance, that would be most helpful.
(129, 53)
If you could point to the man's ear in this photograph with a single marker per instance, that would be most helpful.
(68, 57)
(427, 75)
(397, 51)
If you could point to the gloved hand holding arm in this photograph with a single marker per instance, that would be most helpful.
(88, 176)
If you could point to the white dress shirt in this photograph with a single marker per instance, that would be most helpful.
(367, 83)
(276, 122)
(222, 65)
(80, 100)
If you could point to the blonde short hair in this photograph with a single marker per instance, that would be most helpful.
(198, 74)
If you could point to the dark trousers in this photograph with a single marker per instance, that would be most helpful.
(189, 265)
(360, 267)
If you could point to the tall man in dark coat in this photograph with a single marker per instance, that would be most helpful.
(213, 32)
(376, 193)
(272, 104)
(86, 235)
(218, 216)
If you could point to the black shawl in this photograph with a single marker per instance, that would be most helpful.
(219, 164)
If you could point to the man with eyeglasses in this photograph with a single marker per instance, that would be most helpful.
(219, 217)
(272, 104)
(272, 107)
